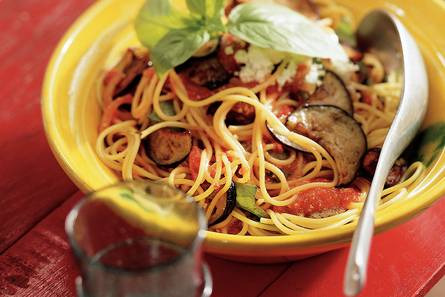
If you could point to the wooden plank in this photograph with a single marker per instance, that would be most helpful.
(405, 262)
(242, 279)
(31, 182)
(41, 264)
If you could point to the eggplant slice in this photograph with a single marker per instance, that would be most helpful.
(283, 139)
(133, 63)
(337, 132)
(230, 205)
(168, 146)
(205, 72)
(332, 91)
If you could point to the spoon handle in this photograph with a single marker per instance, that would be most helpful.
(356, 267)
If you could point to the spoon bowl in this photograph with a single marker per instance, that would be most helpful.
(385, 36)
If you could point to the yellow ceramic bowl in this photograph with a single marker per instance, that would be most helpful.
(95, 41)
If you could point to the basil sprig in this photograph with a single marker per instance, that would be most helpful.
(176, 47)
(174, 33)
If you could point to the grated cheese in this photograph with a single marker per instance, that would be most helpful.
(258, 63)
(288, 73)
(344, 69)
(316, 72)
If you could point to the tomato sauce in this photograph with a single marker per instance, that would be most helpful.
(228, 59)
(366, 97)
(236, 82)
(194, 161)
(319, 200)
(235, 227)
(194, 91)
(298, 81)
(285, 110)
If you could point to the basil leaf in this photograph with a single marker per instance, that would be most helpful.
(214, 8)
(215, 24)
(197, 6)
(245, 199)
(172, 31)
(207, 8)
(158, 7)
(177, 47)
(157, 17)
(280, 28)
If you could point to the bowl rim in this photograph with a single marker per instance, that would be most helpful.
(340, 234)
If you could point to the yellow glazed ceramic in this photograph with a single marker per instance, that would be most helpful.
(71, 116)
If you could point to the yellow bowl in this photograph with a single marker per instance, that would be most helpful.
(95, 41)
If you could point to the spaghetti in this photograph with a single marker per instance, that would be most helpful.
(295, 191)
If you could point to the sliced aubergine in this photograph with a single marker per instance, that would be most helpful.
(205, 72)
(337, 132)
(133, 63)
(283, 139)
(332, 92)
(230, 205)
(168, 146)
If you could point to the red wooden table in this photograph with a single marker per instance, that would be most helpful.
(35, 195)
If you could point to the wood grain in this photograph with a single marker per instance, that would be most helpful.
(32, 184)
(404, 263)
(40, 263)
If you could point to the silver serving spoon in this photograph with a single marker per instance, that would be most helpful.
(384, 35)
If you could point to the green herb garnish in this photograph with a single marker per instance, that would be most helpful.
(173, 35)
(245, 199)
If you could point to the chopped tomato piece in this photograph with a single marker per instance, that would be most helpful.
(285, 110)
(297, 82)
(272, 89)
(226, 54)
(319, 200)
(236, 82)
(149, 72)
(366, 97)
(194, 161)
(110, 75)
(235, 227)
